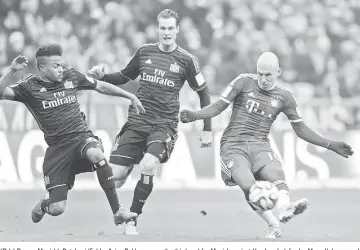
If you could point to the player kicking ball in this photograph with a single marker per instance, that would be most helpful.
(245, 152)
(73, 149)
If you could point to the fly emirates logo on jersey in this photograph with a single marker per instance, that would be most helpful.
(60, 99)
(158, 77)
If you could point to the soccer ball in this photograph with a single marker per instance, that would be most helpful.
(263, 195)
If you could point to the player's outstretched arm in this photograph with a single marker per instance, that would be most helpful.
(98, 72)
(19, 63)
(108, 89)
(206, 135)
(210, 111)
(204, 97)
(307, 134)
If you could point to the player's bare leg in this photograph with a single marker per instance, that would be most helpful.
(107, 183)
(120, 173)
(245, 179)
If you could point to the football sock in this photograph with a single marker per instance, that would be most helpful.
(281, 185)
(283, 198)
(267, 215)
(269, 218)
(256, 209)
(45, 205)
(141, 193)
(105, 177)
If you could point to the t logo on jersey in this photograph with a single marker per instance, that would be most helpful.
(252, 106)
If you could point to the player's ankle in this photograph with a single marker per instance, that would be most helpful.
(44, 206)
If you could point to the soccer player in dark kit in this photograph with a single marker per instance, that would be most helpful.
(73, 149)
(245, 152)
(148, 139)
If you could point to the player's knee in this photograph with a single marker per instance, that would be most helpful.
(120, 183)
(273, 176)
(244, 178)
(245, 185)
(271, 173)
(57, 208)
(246, 188)
(149, 164)
(120, 172)
(95, 154)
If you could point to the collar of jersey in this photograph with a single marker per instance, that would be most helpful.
(158, 46)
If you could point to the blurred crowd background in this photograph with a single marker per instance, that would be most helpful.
(317, 41)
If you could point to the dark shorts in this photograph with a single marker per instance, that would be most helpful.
(255, 155)
(64, 160)
(134, 141)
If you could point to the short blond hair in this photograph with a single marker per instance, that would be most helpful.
(168, 13)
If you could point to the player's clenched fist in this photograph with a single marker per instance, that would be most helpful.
(341, 148)
(19, 63)
(97, 72)
(187, 116)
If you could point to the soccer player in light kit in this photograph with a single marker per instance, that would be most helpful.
(73, 149)
(245, 153)
(148, 139)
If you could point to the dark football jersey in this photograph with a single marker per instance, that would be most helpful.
(254, 110)
(54, 105)
(162, 75)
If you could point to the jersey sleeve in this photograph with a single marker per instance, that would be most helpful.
(290, 108)
(132, 69)
(22, 89)
(194, 76)
(73, 77)
(233, 89)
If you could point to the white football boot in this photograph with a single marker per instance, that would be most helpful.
(123, 215)
(294, 208)
(273, 232)
(130, 228)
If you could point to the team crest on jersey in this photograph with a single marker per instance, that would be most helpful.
(230, 163)
(274, 102)
(68, 85)
(46, 180)
(174, 68)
